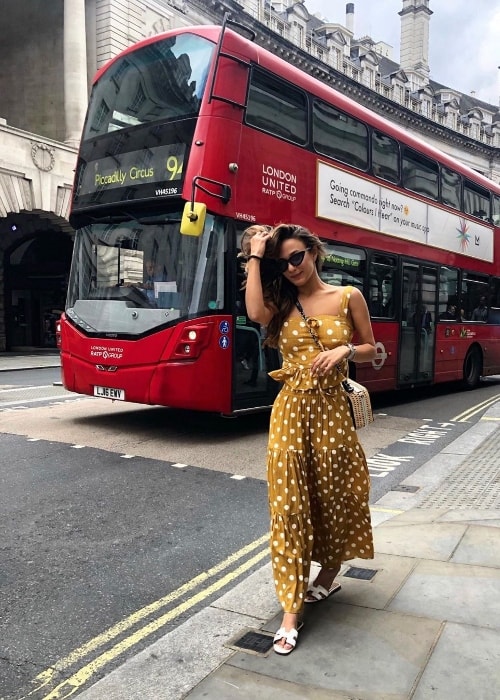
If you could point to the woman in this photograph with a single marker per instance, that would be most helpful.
(317, 474)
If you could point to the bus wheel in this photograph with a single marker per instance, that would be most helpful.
(472, 368)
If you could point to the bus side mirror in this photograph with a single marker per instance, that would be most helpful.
(193, 219)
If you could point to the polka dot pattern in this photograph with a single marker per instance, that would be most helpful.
(318, 479)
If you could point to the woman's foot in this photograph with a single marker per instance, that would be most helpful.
(324, 586)
(285, 638)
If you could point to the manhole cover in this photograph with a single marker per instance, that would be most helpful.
(359, 573)
(253, 642)
(405, 487)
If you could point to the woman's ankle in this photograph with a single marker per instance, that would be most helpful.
(290, 620)
(326, 576)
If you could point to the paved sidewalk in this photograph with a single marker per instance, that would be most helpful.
(425, 625)
(10, 361)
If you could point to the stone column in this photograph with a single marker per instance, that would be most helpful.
(75, 70)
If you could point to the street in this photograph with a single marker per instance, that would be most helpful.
(120, 521)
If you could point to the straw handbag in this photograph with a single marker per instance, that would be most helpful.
(359, 402)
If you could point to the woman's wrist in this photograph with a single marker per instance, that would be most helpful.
(256, 257)
(352, 352)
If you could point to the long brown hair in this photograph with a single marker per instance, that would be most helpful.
(282, 292)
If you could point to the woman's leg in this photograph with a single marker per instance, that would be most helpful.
(324, 585)
(326, 577)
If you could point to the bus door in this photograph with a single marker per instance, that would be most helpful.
(418, 323)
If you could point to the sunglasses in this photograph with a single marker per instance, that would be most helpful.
(295, 260)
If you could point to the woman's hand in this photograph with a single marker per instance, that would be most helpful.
(258, 243)
(326, 360)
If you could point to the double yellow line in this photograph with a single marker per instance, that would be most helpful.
(474, 410)
(71, 685)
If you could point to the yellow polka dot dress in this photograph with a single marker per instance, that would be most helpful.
(317, 473)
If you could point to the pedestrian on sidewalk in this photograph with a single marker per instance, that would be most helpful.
(318, 480)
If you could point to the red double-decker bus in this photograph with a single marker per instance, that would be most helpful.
(195, 134)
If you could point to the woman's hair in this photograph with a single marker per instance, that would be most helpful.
(249, 233)
(282, 293)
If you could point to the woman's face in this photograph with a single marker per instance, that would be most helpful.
(300, 261)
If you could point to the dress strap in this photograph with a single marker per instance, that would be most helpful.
(344, 300)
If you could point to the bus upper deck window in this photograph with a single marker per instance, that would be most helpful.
(385, 157)
(476, 201)
(420, 174)
(451, 188)
(339, 136)
(277, 107)
(495, 211)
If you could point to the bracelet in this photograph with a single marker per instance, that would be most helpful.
(352, 352)
(257, 257)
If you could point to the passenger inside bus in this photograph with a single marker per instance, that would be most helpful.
(450, 314)
(480, 313)
(153, 272)
(422, 318)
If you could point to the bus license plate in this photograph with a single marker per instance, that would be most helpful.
(108, 393)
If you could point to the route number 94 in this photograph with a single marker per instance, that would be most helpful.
(174, 167)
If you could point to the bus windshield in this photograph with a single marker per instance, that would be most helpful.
(160, 81)
(140, 124)
(132, 276)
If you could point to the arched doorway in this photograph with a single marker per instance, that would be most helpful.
(36, 275)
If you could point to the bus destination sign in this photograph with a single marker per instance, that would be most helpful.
(133, 170)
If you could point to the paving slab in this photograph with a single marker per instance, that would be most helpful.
(471, 516)
(231, 683)
(255, 596)
(480, 546)
(422, 541)
(391, 573)
(362, 653)
(452, 592)
(465, 665)
(414, 516)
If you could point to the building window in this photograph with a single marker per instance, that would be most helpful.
(368, 77)
(100, 117)
(138, 101)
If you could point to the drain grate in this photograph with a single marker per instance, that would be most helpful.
(253, 642)
(405, 487)
(359, 573)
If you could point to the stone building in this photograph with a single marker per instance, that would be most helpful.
(49, 52)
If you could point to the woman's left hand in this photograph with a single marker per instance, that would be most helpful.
(325, 361)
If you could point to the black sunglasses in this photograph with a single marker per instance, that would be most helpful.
(295, 260)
